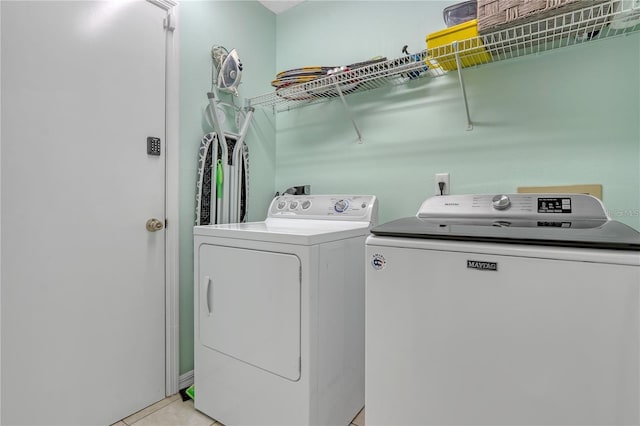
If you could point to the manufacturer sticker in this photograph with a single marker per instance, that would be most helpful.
(378, 262)
(482, 266)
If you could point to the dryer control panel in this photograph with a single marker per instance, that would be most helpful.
(326, 207)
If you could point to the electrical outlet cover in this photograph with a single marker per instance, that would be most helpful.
(442, 177)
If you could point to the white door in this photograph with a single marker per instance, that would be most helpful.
(83, 286)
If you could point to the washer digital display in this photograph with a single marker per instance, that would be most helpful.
(554, 205)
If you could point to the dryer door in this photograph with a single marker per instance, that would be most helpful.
(249, 307)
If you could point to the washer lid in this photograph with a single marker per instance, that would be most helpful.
(610, 235)
(572, 220)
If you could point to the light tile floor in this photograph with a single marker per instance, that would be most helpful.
(173, 411)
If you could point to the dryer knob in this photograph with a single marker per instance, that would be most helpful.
(341, 206)
(306, 204)
(501, 202)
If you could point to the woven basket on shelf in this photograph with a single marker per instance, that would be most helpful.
(495, 15)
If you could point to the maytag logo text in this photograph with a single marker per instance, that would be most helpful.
(482, 266)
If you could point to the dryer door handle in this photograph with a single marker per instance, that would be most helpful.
(208, 293)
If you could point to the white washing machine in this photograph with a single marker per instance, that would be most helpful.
(279, 313)
(518, 309)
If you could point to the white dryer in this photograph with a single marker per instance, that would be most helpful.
(519, 309)
(279, 313)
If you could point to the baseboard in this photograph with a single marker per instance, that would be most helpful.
(185, 380)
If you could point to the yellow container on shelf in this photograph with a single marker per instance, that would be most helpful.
(470, 46)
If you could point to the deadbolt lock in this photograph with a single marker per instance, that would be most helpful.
(154, 225)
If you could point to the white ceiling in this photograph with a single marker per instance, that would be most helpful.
(279, 6)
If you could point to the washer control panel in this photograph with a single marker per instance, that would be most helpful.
(326, 207)
(523, 206)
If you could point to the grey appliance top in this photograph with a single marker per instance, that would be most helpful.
(569, 220)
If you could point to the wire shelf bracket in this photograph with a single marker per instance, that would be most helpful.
(462, 86)
(346, 107)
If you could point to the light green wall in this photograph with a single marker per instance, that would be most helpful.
(250, 28)
(570, 116)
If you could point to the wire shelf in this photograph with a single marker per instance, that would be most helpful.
(605, 20)
(380, 74)
(585, 25)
